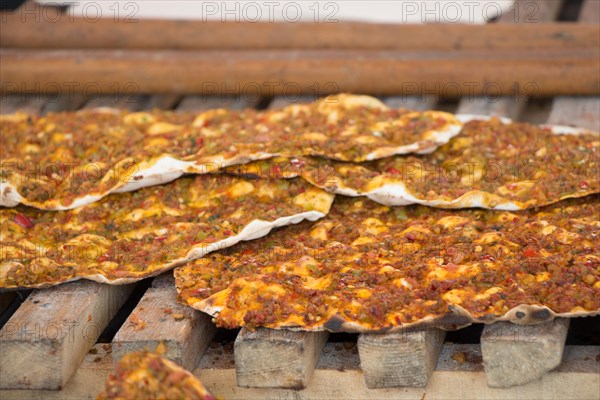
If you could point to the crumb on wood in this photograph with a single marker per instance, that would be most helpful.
(161, 348)
(348, 345)
(137, 323)
(178, 317)
(459, 357)
(168, 310)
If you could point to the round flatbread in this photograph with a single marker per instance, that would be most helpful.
(491, 164)
(66, 160)
(371, 268)
(127, 237)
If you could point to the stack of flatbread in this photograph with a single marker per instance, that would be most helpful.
(398, 218)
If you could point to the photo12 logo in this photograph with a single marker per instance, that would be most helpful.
(270, 11)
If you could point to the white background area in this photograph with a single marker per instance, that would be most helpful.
(376, 11)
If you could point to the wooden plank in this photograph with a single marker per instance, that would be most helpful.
(160, 322)
(576, 378)
(30, 104)
(405, 359)
(283, 101)
(45, 340)
(518, 354)
(509, 107)
(309, 71)
(163, 102)
(576, 111)
(590, 12)
(211, 101)
(268, 358)
(408, 101)
(418, 103)
(29, 29)
(120, 101)
(522, 11)
(133, 101)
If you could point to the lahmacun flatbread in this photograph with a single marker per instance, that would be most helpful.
(129, 236)
(145, 375)
(66, 160)
(490, 164)
(372, 268)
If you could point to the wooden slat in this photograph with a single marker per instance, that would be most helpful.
(338, 376)
(45, 340)
(65, 100)
(405, 359)
(508, 107)
(207, 102)
(518, 354)
(576, 111)
(310, 71)
(523, 11)
(163, 102)
(120, 101)
(160, 322)
(590, 12)
(31, 104)
(277, 358)
(133, 102)
(418, 103)
(20, 29)
(282, 101)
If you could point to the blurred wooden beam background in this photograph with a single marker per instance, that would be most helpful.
(50, 52)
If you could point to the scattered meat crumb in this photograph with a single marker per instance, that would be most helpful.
(137, 322)
(161, 348)
(459, 357)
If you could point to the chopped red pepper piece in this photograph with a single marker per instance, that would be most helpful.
(529, 252)
(23, 221)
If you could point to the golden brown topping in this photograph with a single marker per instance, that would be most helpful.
(129, 236)
(365, 267)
